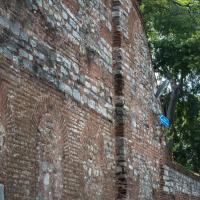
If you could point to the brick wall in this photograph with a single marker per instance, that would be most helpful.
(78, 115)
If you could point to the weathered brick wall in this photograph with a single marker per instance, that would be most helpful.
(54, 148)
(78, 115)
(72, 51)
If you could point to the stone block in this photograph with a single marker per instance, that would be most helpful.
(4, 22)
(2, 192)
(92, 104)
(64, 14)
(15, 28)
(72, 23)
(76, 95)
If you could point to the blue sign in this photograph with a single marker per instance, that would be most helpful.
(164, 121)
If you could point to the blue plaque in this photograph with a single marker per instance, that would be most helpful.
(164, 121)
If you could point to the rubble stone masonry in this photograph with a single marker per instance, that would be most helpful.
(78, 113)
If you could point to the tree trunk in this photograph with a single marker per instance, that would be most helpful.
(173, 101)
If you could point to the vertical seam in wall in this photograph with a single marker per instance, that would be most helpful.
(119, 110)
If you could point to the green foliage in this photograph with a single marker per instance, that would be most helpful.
(173, 29)
(184, 134)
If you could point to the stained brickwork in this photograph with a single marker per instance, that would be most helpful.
(78, 115)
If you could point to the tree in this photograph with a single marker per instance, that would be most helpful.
(173, 29)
